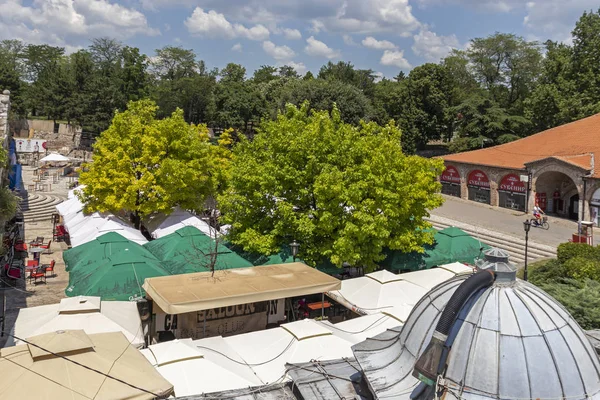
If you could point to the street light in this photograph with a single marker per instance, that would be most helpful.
(527, 227)
(294, 246)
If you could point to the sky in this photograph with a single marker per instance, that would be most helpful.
(387, 36)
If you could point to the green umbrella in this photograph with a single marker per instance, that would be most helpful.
(450, 245)
(101, 248)
(189, 250)
(283, 256)
(119, 277)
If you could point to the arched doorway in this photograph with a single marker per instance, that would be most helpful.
(450, 180)
(479, 186)
(557, 194)
(574, 207)
(512, 192)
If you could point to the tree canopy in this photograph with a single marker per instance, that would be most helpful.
(142, 164)
(344, 192)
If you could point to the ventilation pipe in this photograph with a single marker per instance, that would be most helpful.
(432, 362)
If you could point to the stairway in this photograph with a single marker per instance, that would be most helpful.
(513, 245)
(38, 207)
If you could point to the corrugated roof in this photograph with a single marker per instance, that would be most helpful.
(574, 143)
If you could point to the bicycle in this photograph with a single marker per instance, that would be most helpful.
(540, 224)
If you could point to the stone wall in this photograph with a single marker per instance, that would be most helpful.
(62, 138)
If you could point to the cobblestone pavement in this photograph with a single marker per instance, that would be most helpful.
(505, 221)
(25, 294)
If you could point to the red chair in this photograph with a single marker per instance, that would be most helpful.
(47, 247)
(38, 274)
(49, 268)
(20, 246)
(33, 263)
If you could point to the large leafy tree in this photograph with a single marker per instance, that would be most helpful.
(344, 192)
(143, 165)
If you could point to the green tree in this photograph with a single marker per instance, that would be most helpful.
(11, 71)
(264, 74)
(143, 165)
(344, 192)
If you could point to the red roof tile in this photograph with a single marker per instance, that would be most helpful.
(573, 143)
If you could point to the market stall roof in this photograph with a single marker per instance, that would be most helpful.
(73, 192)
(119, 277)
(195, 371)
(70, 206)
(450, 245)
(55, 157)
(180, 294)
(102, 247)
(31, 373)
(189, 250)
(162, 225)
(87, 313)
(382, 290)
(94, 226)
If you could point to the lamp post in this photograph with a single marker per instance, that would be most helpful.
(294, 246)
(526, 226)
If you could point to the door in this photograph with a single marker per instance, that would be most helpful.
(574, 207)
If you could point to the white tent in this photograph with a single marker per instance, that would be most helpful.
(162, 225)
(73, 192)
(70, 206)
(358, 329)
(383, 290)
(297, 342)
(55, 157)
(193, 371)
(80, 313)
(94, 226)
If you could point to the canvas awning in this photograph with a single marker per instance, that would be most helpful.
(179, 294)
(55, 157)
(30, 373)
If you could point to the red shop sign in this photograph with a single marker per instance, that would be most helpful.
(479, 178)
(450, 175)
(512, 183)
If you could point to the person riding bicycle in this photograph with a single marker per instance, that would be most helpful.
(537, 213)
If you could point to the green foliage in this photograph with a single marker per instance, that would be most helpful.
(574, 280)
(343, 192)
(580, 297)
(507, 138)
(143, 165)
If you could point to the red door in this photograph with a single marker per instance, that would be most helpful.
(540, 198)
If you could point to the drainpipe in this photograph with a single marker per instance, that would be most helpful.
(583, 200)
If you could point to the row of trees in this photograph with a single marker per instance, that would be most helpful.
(345, 192)
(501, 88)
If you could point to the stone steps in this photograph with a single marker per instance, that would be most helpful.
(39, 207)
(514, 246)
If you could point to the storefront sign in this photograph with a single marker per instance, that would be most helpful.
(222, 321)
(479, 179)
(30, 145)
(450, 175)
(512, 183)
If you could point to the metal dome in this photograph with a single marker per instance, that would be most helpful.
(512, 341)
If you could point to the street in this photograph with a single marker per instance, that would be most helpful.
(505, 221)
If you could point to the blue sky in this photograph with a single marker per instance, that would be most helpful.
(384, 35)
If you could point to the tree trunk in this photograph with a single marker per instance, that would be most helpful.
(137, 221)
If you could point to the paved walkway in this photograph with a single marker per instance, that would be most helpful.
(25, 294)
(505, 221)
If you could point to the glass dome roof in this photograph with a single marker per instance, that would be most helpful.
(512, 341)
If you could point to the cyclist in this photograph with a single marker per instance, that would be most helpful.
(537, 213)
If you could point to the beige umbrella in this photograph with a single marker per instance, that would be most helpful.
(31, 372)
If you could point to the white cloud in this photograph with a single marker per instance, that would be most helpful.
(298, 66)
(348, 40)
(433, 47)
(378, 76)
(214, 24)
(237, 47)
(395, 58)
(278, 52)
(373, 43)
(70, 23)
(319, 49)
(344, 16)
(292, 34)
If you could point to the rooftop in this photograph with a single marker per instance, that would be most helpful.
(574, 143)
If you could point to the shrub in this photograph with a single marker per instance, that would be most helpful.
(582, 268)
(567, 251)
(580, 297)
(549, 272)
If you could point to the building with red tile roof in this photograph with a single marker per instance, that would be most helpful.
(554, 168)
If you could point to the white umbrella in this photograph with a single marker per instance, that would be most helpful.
(55, 157)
